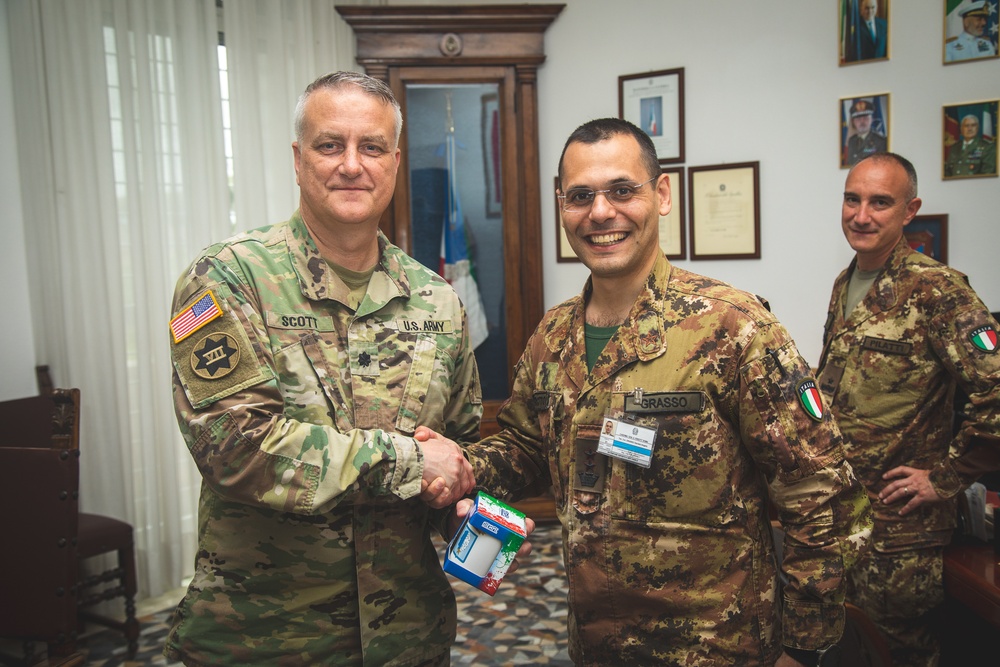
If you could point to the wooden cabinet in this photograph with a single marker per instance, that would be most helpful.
(485, 58)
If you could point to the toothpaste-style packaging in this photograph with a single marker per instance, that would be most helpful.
(484, 547)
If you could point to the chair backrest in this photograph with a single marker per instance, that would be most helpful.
(39, 510)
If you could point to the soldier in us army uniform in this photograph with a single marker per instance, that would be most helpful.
(972, 155)
(667, 539)
(902, 332)
(305, 354)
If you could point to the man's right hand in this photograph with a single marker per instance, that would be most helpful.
(448, 476)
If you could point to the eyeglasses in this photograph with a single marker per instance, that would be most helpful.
(579, 200)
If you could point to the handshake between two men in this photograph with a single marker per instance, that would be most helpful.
(448, 478)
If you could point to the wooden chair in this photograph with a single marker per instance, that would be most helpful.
(45, 598)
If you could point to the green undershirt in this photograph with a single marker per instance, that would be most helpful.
(596, 338)
(860, 283)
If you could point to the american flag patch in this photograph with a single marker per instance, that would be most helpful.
(195, 316)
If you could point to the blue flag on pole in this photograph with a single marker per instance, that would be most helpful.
(456, 264)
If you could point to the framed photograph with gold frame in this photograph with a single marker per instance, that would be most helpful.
(654, 101)
(864, 31)
(970, 30)
(970, 146)
(724, 211)
(864, 127)
(929, 234)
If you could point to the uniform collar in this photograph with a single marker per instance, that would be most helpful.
(640, 337)
(882, 296)
(318, 281)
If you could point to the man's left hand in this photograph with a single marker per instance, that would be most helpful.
(465, 506)
(909, 485)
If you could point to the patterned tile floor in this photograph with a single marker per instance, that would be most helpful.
(523, 624)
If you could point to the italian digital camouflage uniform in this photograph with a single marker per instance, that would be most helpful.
(974, 158)
(674, 564)
(314, 547)
(889, 371)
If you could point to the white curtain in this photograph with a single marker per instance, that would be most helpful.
(275, 48)
(119, 108)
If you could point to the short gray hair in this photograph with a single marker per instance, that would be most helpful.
(336, 80)
(895, 158)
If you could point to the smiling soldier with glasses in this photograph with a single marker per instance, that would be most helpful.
(579, 200)
(712, 415)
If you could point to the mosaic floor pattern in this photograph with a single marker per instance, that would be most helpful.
(523, 624)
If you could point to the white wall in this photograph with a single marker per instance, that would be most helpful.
(762, 83)
(17, 354)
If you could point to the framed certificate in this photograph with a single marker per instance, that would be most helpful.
(724, 205)
(564, 251)
(654, 101)
(672, 234)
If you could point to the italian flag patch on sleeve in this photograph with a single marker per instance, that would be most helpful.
(985, 338)
(811, 400)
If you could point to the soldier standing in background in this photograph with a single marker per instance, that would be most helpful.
(305, 354)
(903, 330)
(667, 538)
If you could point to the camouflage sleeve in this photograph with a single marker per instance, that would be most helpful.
(462, 415)
(464, 411)
(231, 413)
(963, 334)
(822, 507)
(512, 465)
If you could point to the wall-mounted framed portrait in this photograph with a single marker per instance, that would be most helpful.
(970, 146)
(864, 31)
(970, 30)
(864, 127)
(929, 234)
(654, 101)
(672, 236)
(724, 211)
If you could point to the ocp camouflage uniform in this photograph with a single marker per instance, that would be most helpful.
(313, 543)
(889, 371)
(975, 158)
(674, 564)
